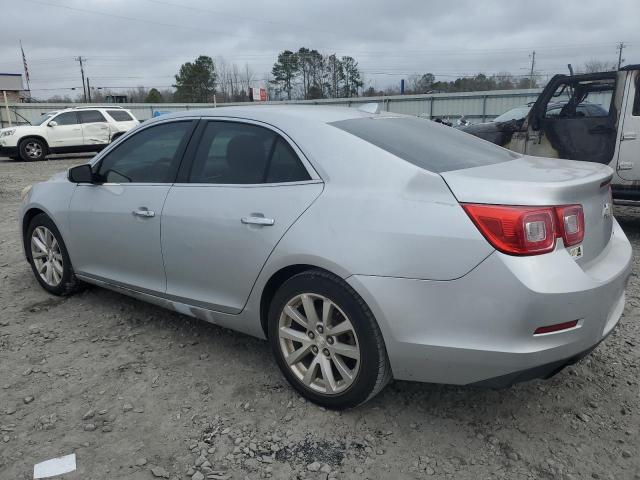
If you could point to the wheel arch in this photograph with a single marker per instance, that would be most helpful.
(117, 135)
(272, 285)
(28, 216)
(38, 137)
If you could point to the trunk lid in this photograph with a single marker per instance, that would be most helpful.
(535, 181)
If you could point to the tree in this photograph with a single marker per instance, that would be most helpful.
(352, 77)
(154, 96)
(421, 83)
(284, 71)
(594, 66)
(334, 73)
(196, 82)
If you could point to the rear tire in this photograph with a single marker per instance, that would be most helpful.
(338, 362)
(33, 149)
(47, 254)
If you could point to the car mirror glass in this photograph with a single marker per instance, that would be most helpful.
(81, 174)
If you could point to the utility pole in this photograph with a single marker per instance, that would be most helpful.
(88, 90)
(84, 90)
(533, 64)
(621, 47)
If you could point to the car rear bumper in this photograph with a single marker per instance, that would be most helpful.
(479, 329)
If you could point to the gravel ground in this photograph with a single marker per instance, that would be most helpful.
(138, 392)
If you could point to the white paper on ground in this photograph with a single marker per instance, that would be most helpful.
(55, 466)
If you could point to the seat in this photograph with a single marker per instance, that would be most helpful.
(247, 159)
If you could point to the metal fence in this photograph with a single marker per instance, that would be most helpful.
(475, 106)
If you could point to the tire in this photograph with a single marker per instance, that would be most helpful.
(60, 281)
(359, 374)
(33, 149)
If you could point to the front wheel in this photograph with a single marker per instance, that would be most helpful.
(32, 149)
(48, 257)
(326, 341)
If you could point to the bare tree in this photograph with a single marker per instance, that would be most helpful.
(593, 66)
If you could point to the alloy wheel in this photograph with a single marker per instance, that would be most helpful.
(319, 343)
(33, 150)
(46, 255)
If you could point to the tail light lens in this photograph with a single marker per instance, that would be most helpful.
(517, 230)
(571, 222)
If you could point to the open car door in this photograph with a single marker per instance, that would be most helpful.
(584, 126)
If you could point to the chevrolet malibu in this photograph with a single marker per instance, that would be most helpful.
(363, 246)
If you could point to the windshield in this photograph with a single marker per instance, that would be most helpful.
(517, 113)
(43, 118)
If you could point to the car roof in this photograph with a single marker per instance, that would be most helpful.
(274, 114)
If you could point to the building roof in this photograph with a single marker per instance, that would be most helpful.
(11, 82)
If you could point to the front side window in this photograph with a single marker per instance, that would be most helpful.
(91, 116)
(582, 99)
(150, 156)
(67, 118)
(239, 153)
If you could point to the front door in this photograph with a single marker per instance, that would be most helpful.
(575, 118)
(115, 224)
(64, 131)
(629, 150)
(244, 188)
(95, 129)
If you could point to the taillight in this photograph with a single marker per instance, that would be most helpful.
(518, 230)
(571, 222)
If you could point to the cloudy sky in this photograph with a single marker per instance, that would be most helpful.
(143, 42)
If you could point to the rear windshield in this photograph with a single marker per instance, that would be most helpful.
(120, 115)
(436, 148)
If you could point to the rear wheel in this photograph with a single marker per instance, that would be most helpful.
(48, 257)
(326, 341)
(32, 149)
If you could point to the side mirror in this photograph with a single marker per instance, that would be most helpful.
(52, 123)
(81, 174)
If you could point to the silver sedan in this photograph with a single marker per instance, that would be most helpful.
(363, 246)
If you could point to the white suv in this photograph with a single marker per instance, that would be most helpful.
(82, 129)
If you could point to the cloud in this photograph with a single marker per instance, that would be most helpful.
(143, 42)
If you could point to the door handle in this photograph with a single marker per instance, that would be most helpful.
(256, 220)
(144, 212)
(629, 135)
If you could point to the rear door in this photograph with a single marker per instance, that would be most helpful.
(629, 151)
(95, 128)
(241, 187)
(575, 131)
(64, 131)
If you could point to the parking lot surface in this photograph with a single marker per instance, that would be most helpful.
(138, 392)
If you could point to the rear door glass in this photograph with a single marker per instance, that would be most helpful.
(434, 147)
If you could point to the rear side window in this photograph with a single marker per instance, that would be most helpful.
(67, 118)
(91, 116)
(120, 115)
(240, 153)
(436, 148)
